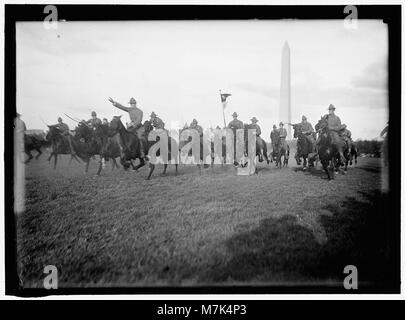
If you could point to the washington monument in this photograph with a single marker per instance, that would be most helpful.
(285, 89)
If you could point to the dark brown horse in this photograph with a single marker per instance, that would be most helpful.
(281, 149)
(95, 141)
(304, 147)
(34, 142)
(328, 152)
(59, 143)
(261, 145)
(130, 143)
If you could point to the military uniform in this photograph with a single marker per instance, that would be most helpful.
(273, 135)
(93, 122)
(158, 123)
(347, 137)
(308, 130)
(334, 126)
(197, 127)
(283, 135)
(235, 124)
(135, 114)
(257, 127)
(64, 129)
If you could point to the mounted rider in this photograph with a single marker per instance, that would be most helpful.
(135, 115)
(194, 125)
(235, 124)
(273, 135)
(94, 121)
(308, 131)
(346, 135)
(156, 122)
(282, 134)
(334, 126)
(254, 125)
(64, 130)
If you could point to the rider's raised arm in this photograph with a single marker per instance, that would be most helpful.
(120, 106)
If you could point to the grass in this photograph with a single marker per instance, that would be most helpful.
(279, 226)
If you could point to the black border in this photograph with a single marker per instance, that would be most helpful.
(390, 14)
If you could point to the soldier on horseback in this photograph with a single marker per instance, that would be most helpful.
(282, 134)
(64, 130)
(157, 123)
(194, 125)
(334, 126)
(347, 137)
(254, 125)
(94, 121)
(308, 131)
(136, 115)
(273, 135)
(235, 124)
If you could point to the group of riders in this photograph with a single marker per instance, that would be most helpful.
(338, 132)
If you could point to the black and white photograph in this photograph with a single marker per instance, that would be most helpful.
(252, 151)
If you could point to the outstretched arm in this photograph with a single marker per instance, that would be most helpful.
(118, 105)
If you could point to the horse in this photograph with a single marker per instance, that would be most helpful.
(130, 145)
(261, 145)
(328, 152)
(60, 144)
(282, 149)
(96, 142)
(33, 142)
(203, 149)
(304, 147)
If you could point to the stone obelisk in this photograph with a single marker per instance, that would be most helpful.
(285, 89)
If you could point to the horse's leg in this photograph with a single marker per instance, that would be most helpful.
(39, 153)
(140, 165)
(326, 168)
(297, 158)
(164, 169)
(177, 167)
(29, 156)
(49, 158)
(87, 165)
(56, 160)
(304, 163)
(100, 166)
(151, 169)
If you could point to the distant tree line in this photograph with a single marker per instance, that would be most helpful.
(372, 147)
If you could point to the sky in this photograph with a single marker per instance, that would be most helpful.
(176, 69)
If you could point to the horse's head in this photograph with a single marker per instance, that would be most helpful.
(297, 130)
(147, 126)
(116, 125)
(322, 123)
(83, 131)
(53, 133)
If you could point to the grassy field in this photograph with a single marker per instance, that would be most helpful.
(277, 227)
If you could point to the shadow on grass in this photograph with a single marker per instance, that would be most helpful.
(283, 250)
(371, 169)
